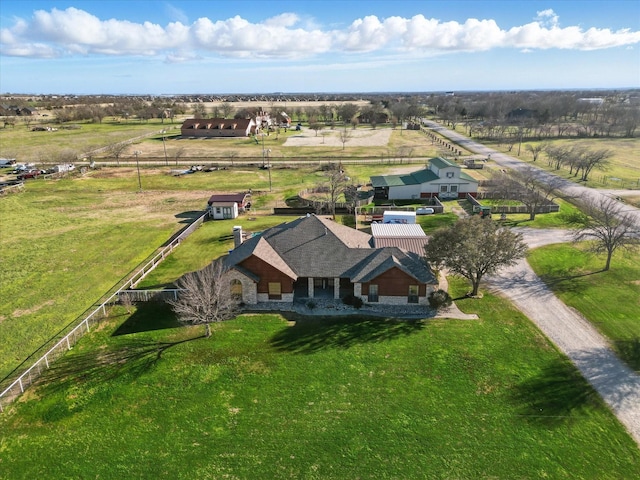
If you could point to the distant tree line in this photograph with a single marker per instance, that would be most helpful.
(510, 118)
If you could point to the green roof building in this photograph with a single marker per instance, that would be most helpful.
(442, 178)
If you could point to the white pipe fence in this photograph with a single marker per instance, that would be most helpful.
(31, 374)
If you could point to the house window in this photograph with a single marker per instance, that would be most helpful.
(373, 293)
(454, 188)
(444, 188)
(449, 174)
(413, 294)
(218, 210)
(275, 291)
(236, 289)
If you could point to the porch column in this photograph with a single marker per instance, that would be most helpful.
(310, 287)
(336, 288)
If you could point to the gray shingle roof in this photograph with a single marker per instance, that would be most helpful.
(316, 247)
(384, 259)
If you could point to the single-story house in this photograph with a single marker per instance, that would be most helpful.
(442, 179)
(218, 127)
(409, 237)
(315, 257)
(228, 205)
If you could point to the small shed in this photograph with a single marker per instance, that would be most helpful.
(228, 205)
(223, 210)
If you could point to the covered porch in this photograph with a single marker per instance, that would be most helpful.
(322, 287)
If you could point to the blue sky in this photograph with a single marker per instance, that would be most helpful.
(236, 46)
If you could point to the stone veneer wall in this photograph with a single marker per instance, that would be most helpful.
(286, 297)
(249, 287)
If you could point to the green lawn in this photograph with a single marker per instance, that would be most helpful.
(319, 399)
(66, 243)
(609, 300)
(542, 220)
(212, 240)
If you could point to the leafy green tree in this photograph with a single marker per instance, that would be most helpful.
(474, 247)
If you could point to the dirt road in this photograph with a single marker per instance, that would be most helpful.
(618, 385)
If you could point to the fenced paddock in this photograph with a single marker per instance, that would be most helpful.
(550, 207)
(85, 322)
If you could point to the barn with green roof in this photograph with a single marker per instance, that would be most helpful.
(442, 178)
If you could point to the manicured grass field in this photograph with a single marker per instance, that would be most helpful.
(609, 300)
(320, 399)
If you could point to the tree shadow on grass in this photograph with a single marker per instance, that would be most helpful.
(130, 358)
(566, 283)
(310, 335)
(629, 352)
(148, 316)
(555, 395)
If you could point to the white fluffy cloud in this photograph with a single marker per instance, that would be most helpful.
(76, 32)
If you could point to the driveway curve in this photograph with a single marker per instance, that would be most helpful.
(616, 383)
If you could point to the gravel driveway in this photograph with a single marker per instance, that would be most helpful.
(618, 385)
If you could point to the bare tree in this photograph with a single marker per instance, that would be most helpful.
(205, 297)
(199, 111)
(605, 222)
(535, 150)
(178, 153)
(530, 186)
(335, 183)
(474, 247)
(315, 125)
(593, 159)
(226, 108)
(557, 155)
(116, 150)
(345, 136)
(231, 154)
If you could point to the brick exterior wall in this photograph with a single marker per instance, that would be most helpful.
(267, 273)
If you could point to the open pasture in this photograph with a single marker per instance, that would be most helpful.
(328, 398)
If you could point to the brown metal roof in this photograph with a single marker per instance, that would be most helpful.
(239, 198)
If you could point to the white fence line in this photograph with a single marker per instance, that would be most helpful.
(28, 377)
(159, 295)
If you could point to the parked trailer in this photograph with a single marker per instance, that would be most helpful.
(394, 216)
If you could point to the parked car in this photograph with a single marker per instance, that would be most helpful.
(30, 174)
(425, 211)
(20, 168)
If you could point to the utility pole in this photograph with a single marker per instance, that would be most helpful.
(136, 153)
(164, 145)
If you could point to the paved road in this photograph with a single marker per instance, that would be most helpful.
(569, 188)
